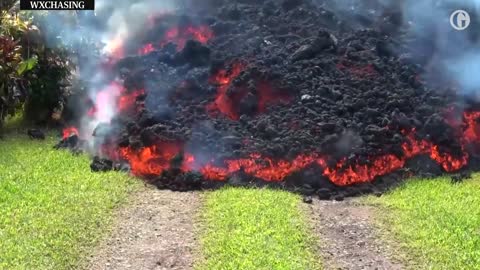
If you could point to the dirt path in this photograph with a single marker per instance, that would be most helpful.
(348, 239)
(156, 231)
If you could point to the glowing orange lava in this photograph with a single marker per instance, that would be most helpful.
(148, 48)
(267, 95)
(223, 80)
(472, 130)
(70, 131)
(180, 35)
(153, 160)
(228, 103)
(127, 101)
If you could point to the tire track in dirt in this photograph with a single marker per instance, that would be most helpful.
(155, 231)
(348, 239)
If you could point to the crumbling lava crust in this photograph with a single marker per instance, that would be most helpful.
(279, 80)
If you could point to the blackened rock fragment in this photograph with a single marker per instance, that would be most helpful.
(308, 199)
(101, 165)
(195, 53)
(324, 194)
(322, 42)
(36, 134)
(69, 142)
(176, 180)
(459, 178)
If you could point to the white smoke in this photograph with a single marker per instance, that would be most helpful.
(94, 35)
(450, 55)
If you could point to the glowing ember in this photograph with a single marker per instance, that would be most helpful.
(146, 49)
(151, 160)
(472, 130)
(223, 102)
(268, 96)
(180, 35)
(70, 131)
(127, 101)
(228, 103)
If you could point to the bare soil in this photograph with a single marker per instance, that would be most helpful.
(155, 231)
(348, 238)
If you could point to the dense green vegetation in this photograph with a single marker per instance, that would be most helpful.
(34, 77)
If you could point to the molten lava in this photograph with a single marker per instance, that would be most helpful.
(228, 103)
(180, 35)
(70, 131)
(148, 48)
(223, 102)
(472, 127)
(266, 96)
(153, 160)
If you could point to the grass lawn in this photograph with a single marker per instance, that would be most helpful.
(52, 208)
(256, 229)
(436, 223)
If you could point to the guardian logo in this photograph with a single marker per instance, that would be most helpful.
(460, 20)
(57, 4)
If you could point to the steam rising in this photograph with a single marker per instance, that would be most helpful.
(450, 56)
(109, 26)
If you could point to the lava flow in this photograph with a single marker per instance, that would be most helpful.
(153, 160)
(228, 103)
(70, 131)
(179, 36)
(223, 102)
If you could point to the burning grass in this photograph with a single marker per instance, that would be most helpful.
(437, 224)
(52, 208)
(255, 229)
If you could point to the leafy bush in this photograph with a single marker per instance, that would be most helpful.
(13, 66)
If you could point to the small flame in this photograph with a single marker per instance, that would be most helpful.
(180, 35)
(472, 131)
(70, 131)
(228, 103)
(114, 48)
(151, 160)
(146, 49)
(223, 102)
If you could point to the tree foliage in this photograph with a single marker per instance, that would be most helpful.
(32, 75)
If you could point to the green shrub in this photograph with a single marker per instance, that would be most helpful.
(33, 76)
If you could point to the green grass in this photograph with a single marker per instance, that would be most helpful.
(436, 223)
(256, 229)
(53, 210)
